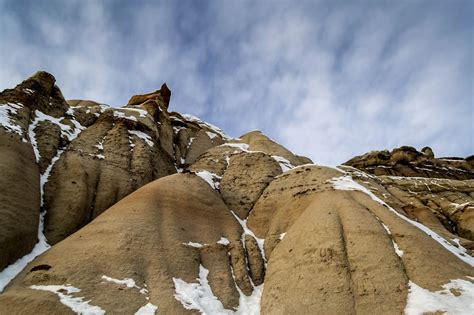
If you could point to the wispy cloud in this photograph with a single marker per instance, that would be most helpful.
(328, 79)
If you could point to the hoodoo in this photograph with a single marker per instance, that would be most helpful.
(141, 210)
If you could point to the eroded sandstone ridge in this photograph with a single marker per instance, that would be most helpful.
(141, 210)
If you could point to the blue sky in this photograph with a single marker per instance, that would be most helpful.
(327, 79)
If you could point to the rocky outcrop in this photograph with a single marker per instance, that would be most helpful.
(435, 191)
(408, 162)
(163, 96)
(24, 155)
(141, 238)
(154, 211)
(245, 178)
(19, 198)
(259, 142)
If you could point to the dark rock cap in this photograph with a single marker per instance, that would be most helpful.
(163, 96)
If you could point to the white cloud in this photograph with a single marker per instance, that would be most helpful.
(328, 80)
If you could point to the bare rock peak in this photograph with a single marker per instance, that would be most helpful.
(163, 96)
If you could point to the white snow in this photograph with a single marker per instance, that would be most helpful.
(346, 182)
(190, 141)
(100, 156)
(241, 146)
(247, 231)
(192, 244)
(130, 283)
(100, 146)
(123, 115)
(456, 241)
(147, 309)
(199, 296)
(223, 241)
(69, 132)
(208, 125)
(76, 304)
(421, 301)
(460, 206)
(143, 113)
(142, 136)
(212, 179)
(211, 135)
(282, 235)
(6, 113)
(398, 251)
(29, 91)
(44, 177)
(66, 131)
(284, 163)
(176, 129)
(14, 269)
(248, 305)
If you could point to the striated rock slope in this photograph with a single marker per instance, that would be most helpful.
(139, 210)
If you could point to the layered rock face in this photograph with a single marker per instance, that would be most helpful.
(150, 211)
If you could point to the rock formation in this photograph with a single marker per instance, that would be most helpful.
(139, 210)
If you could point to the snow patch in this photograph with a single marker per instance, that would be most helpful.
(100, 146)
(192, 244)
(398, 251)
(142, 136)
(9, 273)
(207, 125)
(284, 163)
(223, 241)
(190, 141)
(176, 129)
(456, 241)
(198, 296)
(143, 113)
(282, 235)
(212, 179)
(241, 146)
(123, 115)
(130, 283)
(248, 305)
(211, 135)
(6, 117)
(456, 297)
(76, 304)
(69, 132)
(147, 309)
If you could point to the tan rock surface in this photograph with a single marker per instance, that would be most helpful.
(259, 142)
(142, 237)
(244, 180)
(103, 165)
(231, 227)
(19, 198)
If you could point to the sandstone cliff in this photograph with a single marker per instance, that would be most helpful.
(141, 210)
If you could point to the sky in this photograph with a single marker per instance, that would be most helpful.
(327, 79)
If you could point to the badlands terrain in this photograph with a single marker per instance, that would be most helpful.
(141, 210)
